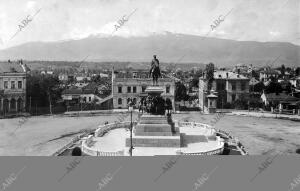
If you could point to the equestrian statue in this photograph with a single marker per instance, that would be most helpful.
(155, 71)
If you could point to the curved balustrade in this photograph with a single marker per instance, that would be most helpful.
(105, 128)
(89, 151)
(213, 152)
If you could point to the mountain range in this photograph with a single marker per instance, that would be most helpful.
(169, 48)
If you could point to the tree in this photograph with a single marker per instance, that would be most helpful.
(43, 90)
(282, 70)
(180, 92)
(210, 75)
(274, 87)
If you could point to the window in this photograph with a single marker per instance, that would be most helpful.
(243, 86)
(233, 86)
(168, 89)
(134, 89)
(5, 84)
(134, 101)
(90, 98)
(143, 88)
(233, 97)
(84, 99)
(128, 89)
(120, 89)
(128, 100)
(13, 85)
(120, 101)
(19, 84)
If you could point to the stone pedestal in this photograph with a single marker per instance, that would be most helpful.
(154, 131)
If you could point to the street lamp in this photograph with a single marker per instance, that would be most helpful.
(130, 108)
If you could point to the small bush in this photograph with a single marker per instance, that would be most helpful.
(76, 151)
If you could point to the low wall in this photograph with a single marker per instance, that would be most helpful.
(102, 129)
(91, 152)
(105, 128)
(213, 152)
(73, 141)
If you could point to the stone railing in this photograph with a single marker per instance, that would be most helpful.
(194, 124)
(105, 128)
(92, 152)
(72, 142)
(213, 152)
(233, 141)
(102, 129)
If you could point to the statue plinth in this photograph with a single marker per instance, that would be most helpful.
(154, 90)
(154, 129)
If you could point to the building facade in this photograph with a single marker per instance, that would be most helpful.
(132, 85)
(12, 88)
(228, 86)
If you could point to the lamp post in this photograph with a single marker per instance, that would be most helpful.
(130, 108)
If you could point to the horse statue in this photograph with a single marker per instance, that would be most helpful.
(155, 70)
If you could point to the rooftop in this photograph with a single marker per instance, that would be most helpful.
(12, 67)
(231, 75)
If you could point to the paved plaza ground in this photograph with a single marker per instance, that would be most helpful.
(42, 136)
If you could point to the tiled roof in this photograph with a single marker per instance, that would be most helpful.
(280, 97)
(11, 67)
(231, 75)
(73, 91)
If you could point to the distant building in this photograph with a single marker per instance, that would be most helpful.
(295, 82)
(277, 99)
(132, 84)
(74, 95)
(228, 86)
(12, 87)
(266, 74)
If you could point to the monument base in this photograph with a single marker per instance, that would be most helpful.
(154, 141)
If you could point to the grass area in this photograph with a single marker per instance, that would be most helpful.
(40, 136)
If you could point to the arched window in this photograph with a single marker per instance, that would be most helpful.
(120, 101)
(134, 101)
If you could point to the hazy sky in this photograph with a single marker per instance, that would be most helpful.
(257, 20)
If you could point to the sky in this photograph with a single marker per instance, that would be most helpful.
(58, 20)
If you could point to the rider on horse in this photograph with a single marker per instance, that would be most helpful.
(155, 71)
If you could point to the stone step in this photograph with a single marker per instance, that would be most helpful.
(153, 127)
(154, 142)
(153, 121)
